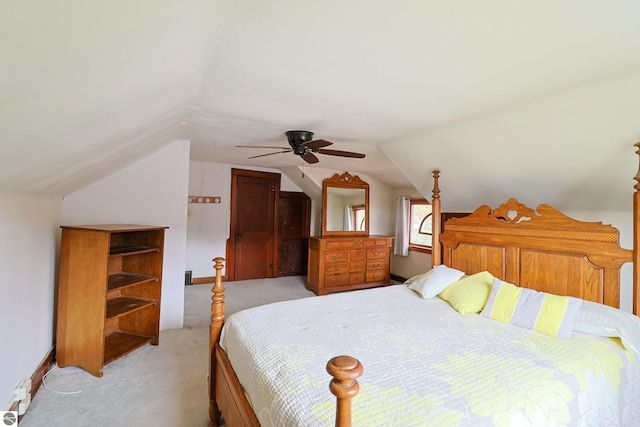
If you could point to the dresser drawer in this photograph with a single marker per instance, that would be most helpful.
(336, 268)
(355, 278)
(376, 242)
(333, 244)
(357, 265)
(357, 255)
(377, 264)
(377, 275)
(377, 253)
(336, 280)
(333, 256)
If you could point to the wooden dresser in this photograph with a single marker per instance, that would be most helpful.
(346, 263)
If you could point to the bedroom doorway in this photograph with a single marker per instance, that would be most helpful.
(253, 231)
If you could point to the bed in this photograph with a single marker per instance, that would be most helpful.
(417, 359)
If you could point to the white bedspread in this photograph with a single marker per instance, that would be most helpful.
(425, 364)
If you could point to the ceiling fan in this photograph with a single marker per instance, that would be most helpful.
(303, 145)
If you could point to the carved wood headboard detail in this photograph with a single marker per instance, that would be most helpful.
(540, 248)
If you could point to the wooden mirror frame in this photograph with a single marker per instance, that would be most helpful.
(348, 181)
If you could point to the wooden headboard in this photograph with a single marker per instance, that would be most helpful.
(540, 248)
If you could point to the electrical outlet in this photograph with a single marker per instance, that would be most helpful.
(23, 389)
(24, 404)
(21, 394)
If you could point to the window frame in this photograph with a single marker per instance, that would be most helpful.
(414, 246)
(361, 209)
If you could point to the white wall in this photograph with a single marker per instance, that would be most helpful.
(30, 230)
(381, 207)
(151, 191)
(207, 223)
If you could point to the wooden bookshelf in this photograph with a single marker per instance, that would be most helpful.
(109, 293)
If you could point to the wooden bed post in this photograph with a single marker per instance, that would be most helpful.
(344, 370)
(436, 248)
(217, 320)
(636, 240)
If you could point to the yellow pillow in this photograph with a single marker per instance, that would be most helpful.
(469, 294)
(550, 314)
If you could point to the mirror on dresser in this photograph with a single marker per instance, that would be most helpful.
(345, 206)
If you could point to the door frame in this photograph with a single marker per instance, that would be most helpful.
(230, 267)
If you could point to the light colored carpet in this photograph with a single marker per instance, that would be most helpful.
(164, 385)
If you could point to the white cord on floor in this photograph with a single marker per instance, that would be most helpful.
(57, 391)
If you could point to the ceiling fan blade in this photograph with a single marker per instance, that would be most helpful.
(309, 157)
(317, 143)
(261, 146)
(340, 153)
(270, 154)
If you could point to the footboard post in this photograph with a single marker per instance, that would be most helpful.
(344, 370)
(217, 320)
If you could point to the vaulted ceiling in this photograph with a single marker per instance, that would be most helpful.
(88, 87)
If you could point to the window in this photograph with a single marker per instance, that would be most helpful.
(420, 226)
(359, 217)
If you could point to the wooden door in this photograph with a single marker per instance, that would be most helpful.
(294, 223)
(253, 231)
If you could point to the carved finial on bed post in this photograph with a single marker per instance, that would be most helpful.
(636, 240)
(217, 304)
(344, 370)
(436, 249)
(217, 320)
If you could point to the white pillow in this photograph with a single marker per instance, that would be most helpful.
(604, 321)
(434, 281)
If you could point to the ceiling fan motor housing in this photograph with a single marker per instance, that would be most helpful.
(298, 137)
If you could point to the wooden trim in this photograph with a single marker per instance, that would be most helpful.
(421, 249)
(45, 366)
(275, 270)
(203, 280)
